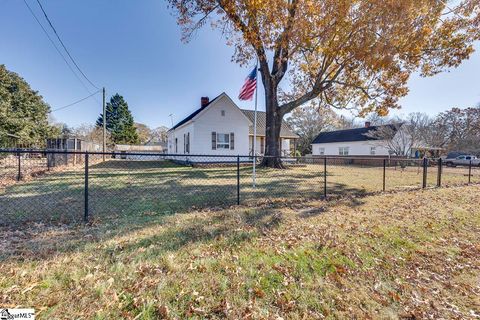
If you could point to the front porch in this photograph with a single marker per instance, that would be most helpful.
(288, 146)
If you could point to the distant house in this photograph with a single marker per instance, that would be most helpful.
(350, 142)
(139, 152)
(220, 127)
(70, 144)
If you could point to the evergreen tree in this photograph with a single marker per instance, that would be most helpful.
(119, 122)
(23, 113)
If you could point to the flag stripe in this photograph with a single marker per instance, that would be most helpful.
(248, 88)
(247, 94)
(248, 91)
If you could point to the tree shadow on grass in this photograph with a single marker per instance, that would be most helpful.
(130, 201)
(62, 199)
(155, 233)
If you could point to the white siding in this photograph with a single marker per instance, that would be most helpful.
(179, 134)
(356, 148)
(222, 116)
(211, 120)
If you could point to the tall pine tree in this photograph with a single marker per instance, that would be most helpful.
(119, 122)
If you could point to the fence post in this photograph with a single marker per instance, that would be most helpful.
(238, 180)
(85, 216)
(325, 177)
(384, 173)
(19, 174)
(440, 168)
(470, 172)
(425, 163)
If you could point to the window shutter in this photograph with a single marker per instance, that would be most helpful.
(232, 141)
(214, 141)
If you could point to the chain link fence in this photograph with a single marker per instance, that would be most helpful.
(61, 187)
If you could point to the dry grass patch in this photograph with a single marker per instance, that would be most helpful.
(401, 255)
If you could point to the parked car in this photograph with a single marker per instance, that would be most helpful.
(463, 160)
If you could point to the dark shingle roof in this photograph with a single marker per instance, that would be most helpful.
(358, 134)
(193, 114)
(285, 131)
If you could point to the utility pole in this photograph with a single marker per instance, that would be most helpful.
(104, 126)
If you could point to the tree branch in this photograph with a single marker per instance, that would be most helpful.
(252, 35)
(280, 59)
(200, 22)
(319, 86)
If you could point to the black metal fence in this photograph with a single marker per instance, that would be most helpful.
(68, 187)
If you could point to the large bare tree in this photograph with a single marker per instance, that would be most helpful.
(345, 53)
(308, 121)
(458, 130)
(402, 135)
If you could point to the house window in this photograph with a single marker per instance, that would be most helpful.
(223, 141)
(343, 151)
(223, 113)
(373, 150)
(321, 151)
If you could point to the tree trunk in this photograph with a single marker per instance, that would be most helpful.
(273, 125)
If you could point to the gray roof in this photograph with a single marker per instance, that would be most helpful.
(285, 131)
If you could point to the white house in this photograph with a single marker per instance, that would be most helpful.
(220, 127)
(350, 142)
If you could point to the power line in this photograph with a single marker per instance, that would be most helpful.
(63, 45)
(56, 47)
(74, 103)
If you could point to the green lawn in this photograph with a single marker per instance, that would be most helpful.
(405, 255)
(121, 188)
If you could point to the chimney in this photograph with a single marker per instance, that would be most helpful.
(367, 124)
(204, 101)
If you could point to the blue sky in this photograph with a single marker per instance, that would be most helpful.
(134, 48)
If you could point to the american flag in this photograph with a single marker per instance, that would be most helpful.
(248, 89)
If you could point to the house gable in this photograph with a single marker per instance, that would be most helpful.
(199, 112)
(221, 117)
(221, 101)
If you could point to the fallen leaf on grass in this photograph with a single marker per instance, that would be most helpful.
(30, 288)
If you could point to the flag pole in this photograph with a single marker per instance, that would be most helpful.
(255, 130)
